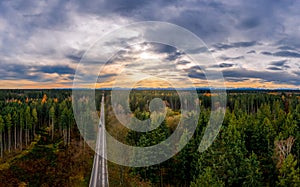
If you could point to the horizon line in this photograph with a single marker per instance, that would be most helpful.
(153, 88)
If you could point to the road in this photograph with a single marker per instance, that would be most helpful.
(99, 176)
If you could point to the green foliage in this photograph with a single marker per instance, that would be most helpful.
(52, 112)
(8, 121)
(156, 136)
(1, 124)
(241, 155)
(252, 171)
(208, 178)
(289, 174)
(28, 118)
(34, 116)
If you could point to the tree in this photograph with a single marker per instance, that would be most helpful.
(153, 173)
(1, 133)
(64, 123)
(8, 123)
(27, 124)
(44, 100)
(70, 124)
(283, 149)
(34, 119)
(208, 178)
(16, 121)
(21, 127)
(289, 175)
(52, 116)
(251, 171)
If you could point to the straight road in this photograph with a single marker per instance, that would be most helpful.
(99, 176)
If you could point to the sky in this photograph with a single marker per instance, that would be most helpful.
(254, 43)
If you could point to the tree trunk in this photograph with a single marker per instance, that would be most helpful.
(65, 136)
(83, 137)
(34, 126)
(60, 129)
(26, 134)
(1, 142)
(15, 133)
(21, 139)
(9, 139)
(161, 177)
(52, 128)
(26, 137)
(69, 137)
(4, 138)
(49, 119)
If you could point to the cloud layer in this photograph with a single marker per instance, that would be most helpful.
(256, 43)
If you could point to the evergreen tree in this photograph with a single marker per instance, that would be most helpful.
(153, 173)
(8, 124)
(208, 178)
(1, 135)
(52, 117)
(27, 124)
(289, 174)
(34, 119)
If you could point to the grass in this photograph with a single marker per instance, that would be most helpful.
(47, 163)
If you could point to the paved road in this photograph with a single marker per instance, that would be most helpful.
(99, 176)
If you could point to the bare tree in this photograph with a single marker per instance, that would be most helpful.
(283, 149)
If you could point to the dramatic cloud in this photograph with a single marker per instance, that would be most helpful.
(266, 76)
(43, 41)
(278, 63)
(222, 65)
(274, 68)
(55, 69)
(231, 58)
(287, 54)
(283, 54)
(221, 46)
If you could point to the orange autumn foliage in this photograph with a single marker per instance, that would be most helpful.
(44, 100)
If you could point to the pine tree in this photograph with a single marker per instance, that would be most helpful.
(34, 119)
(8, 124)
(27, 124)
(16, 121)
(153, 173)
(208, 178)
(1, 134)
(21, 127)
(289, 174)
(64, 123)
(52, 117)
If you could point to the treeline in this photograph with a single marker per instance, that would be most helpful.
(24, 113)
(258, 144)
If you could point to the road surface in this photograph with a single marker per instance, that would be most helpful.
(99, 176)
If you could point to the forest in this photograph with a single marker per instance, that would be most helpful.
(258, 144)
